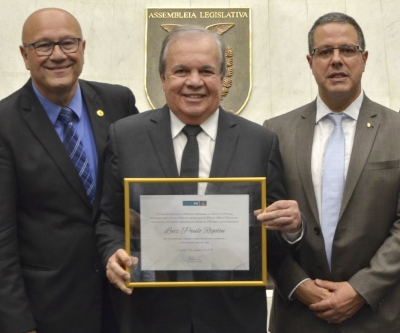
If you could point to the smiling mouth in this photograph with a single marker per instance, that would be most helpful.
(194, 96)
(57, 68)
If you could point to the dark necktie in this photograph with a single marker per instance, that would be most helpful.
(190, 158)
(189, 169)
(76, 152)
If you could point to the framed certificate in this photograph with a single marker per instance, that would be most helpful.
(191, 240)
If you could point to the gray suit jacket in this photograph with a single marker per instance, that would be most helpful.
(50, 271)
(366, 246)
(141, 146)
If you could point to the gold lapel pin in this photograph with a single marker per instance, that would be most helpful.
(100, 113)
(368, 125)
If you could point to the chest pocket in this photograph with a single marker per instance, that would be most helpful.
(382, 165)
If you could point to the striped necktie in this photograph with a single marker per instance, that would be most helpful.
(76, 152)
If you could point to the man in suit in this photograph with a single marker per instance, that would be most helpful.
(192, 66)
(51, 278)
(346, 275)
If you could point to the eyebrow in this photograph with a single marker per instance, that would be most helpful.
(179, 66)
(328, 45)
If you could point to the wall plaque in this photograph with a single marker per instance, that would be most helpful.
(234, 24)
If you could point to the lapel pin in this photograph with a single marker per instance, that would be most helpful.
(100, 113)
(369, 125)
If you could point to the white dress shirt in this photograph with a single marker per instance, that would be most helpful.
(206, 140)
(323, 129)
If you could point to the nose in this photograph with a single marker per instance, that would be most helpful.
(194, 79)
(57, 53)
(336, 57)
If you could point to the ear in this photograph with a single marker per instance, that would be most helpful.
(83, 50)
(309, 60)
(24, 54)
(162, 77)
(365, 57)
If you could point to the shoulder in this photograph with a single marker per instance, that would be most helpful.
(243, 125)
(116, 99)
(381, 110)
(142, 121)
(379, 115)
(15, 98)
(101, 86)
(11, 98)
(11, 106)
(104, 89)
(10, 101)
(290, 119)
(135, 131)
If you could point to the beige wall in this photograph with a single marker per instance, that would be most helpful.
(115, 35)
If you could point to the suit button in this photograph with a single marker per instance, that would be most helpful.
(317, 231)
(96, 268)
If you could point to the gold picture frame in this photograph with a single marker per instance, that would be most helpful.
(257, 191)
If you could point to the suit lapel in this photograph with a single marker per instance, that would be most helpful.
(38, 121)
(99, 122)
(304, 141)
(363, 141)
(225, 145)
(100, 125)
(161, 139)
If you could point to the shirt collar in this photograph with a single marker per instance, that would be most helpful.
(352, 111)
(210, 126)
(53, 110)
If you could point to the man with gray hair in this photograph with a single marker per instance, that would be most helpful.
(192, 67)
(341, 159)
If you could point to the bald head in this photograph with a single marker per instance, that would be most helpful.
(55, 73)
(48, 19)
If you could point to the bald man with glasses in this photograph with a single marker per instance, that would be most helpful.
(52, 134)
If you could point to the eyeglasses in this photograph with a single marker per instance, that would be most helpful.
(347, 51)
(46, 48)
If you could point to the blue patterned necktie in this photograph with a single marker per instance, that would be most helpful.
(332, 183)
(76, 152)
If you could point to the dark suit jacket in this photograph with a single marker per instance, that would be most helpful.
(366, 246)
(141, 146)
(50, 272)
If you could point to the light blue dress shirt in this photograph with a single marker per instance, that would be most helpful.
(81, 123)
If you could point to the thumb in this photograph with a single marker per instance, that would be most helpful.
(325, 284)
